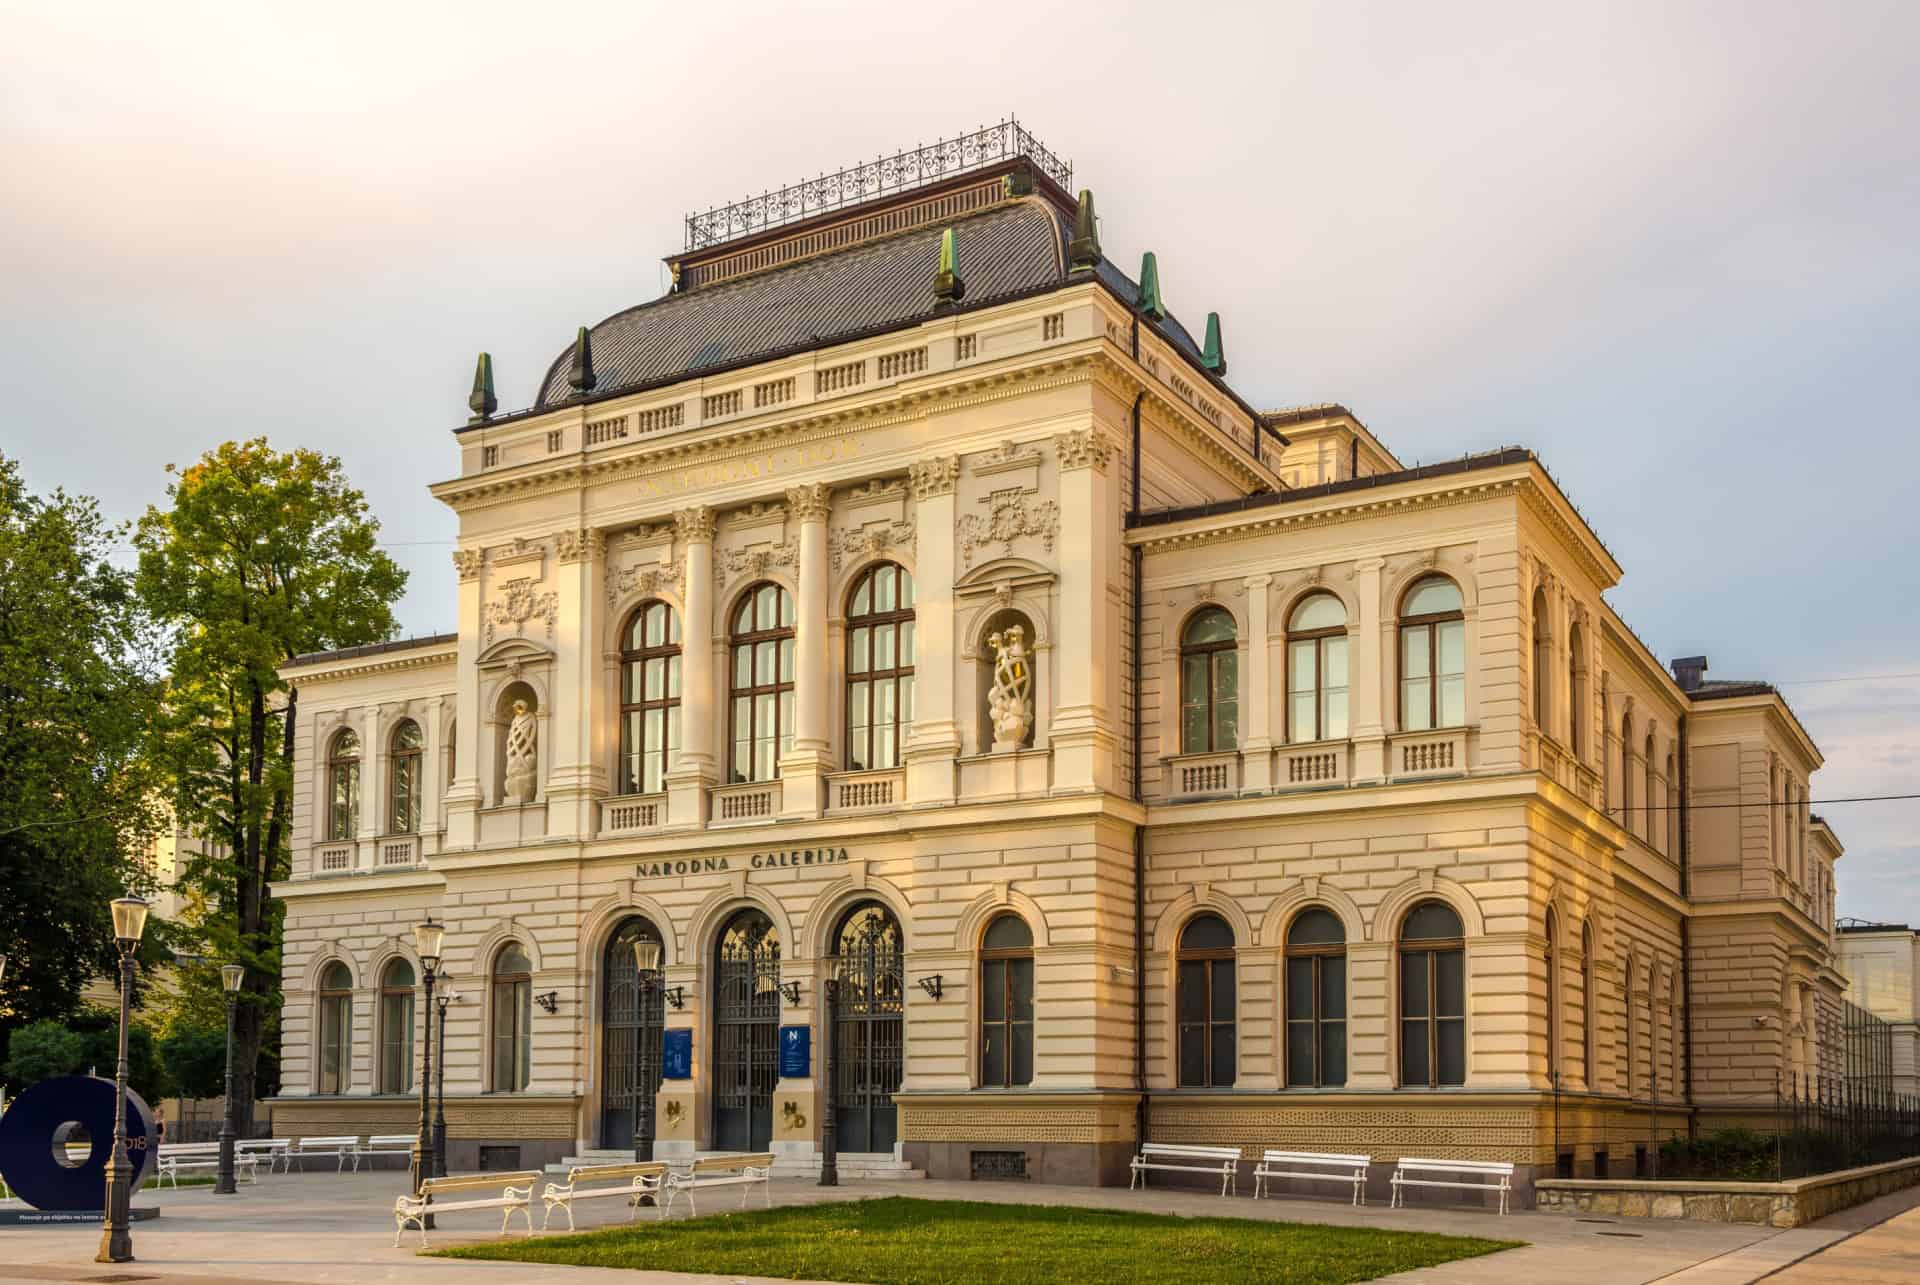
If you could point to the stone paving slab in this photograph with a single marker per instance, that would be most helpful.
(337, 1229)
(1877, 1256)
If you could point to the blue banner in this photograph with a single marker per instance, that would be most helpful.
(676, 1054)
(796, 1044)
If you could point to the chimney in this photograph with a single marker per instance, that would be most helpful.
(1688, 671)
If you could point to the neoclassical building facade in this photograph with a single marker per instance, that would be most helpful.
(907, 604)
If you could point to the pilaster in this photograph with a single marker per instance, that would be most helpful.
(693, 771)
(803, 771)
(1371, 674)
(463, 796)
(1256, 763)
(576, 778)
(934, 740)
(1082, 733)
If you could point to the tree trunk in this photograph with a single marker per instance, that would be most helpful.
(254, 915)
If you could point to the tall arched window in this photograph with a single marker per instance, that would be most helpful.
(1673, 807)
(1633, 1026)
(1433, 997)
(1316, 1000)
(762, 682)
(1317, 670)
(1676, 1006)
(1542, 662)
(405, 756)
(879, 667)
(512, 1017)
(1553, 1000)
(1626, 771)
(336, 1028)
(649, 697)
(1577, 693)
(1209, 684)
(1204, 1003)
(1586, 1005)
(1006, 1003)
(1652, 794)
(396, 1027)
(343, 786)
(1433, 656)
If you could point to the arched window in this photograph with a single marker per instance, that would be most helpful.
(1542, 661)
(649, 697)
(453, 747)
(1433, 997)
(1006, 1003)
(336, 1028)
(1316, 1000)
(1676, 1006)
(396, 1027)
(1204, 995)
(404, 758)
(1316, 670)
(1652, 794)
(1626, 771)
(1577, 693)
(1433, 656)
(879, 667)
(1586, 1005)
(1209, 684)
(1673, 807)
(1553, 1001)
(762, 682)
(512, 993)
(343, 786)
(1633, 1026)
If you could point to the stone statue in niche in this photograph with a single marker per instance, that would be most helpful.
(1010, 700)
(523, 738)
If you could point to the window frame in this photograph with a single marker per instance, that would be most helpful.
(390, 993)
(1553, 999)
(1626, 771)
(1586, 1003)
(630, 771)
(406, 774)
(1209, 1021)
(1576, 690)
(1319, 639)
(1007, 1023)
(338, 999)
(1432, 948)
(518, 986)
(1212, 651)
(900, 676)
(783, 637)
(1428, 624)
(1646, 767)
(1542, 662)
(343, 786)
(1314, 954)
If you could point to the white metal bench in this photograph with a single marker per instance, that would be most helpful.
(275, 1151)
(1495, 1175)
(743, 1171)
(1181, 1158)
(388, 1144)
(1313, 1166)
(181, 1157)
(516, 1192)
(345, 1146)
(641, 1178)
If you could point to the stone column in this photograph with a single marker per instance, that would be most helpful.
(693, 771)
(934, 740)
(802, 770)
(1371, 671)
(1081, 730)
(373, 790)
(576, 778)
(1256, 760)
(432, 776)
(464, 795)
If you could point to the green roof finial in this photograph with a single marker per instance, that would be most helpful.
(1150, 287)
(1213, 356)
(581, 378)
(948, 288)
(1083, 252)
(483, 403)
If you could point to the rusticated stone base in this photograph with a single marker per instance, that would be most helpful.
(1765, 1204)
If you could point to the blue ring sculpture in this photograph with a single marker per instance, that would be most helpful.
(27, 1140)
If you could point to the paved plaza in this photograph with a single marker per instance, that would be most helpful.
(321, 1228)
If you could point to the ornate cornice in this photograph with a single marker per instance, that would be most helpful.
(1252, 524)
(1083, 448)
(936, 476)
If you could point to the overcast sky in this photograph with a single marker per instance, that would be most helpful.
(1671, 247)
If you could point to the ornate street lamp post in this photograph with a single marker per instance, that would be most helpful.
(449, 996)
(829, 1125)
(646, 962)
(230, 978)
(426, 940)
(116, 1236)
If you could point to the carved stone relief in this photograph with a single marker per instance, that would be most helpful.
(519, 604)
(933, 477)
(874, 540)
(1010, 515)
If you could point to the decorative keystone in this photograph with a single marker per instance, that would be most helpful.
(581, 378)
(1083, 252)
(1150, 287)
(1214, 356)
(483, 403)
(948, 288)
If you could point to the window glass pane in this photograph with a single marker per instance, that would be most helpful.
(512, 959)
(1453, 702)
(786, 721)
(1451, 1037)
(786, 660)
(1299, 989)
(1316, 926)
(1321, 611)
(906, 643)
(656, 631)
(1008, 932)
(1416, 705)
(862, 597)
(1206, 932)
(786, 608)
(1190, 995)
(1333, 1053)
(630, 682)
(1022, 1059)
(1211, 625)
(1431, 595)
(1450, 997)
(1193, 1055)
(673, 677)
(883, 653)
(673, 624)
(673, 734)
(763, 760)
(1413, 1053)
(906, 589)
(1336, 715)
(1020, 989)
(763, 608)
(1452, 636)
(1333, 986)
(1226, 725)
(883, 596)
(1300, 1053)
(862, 650)
(1431, 919)
(1413, 983)
(633, 639)
(993, 1056)
(857, 714)
(742, 667)
(654, 684)
(1193, 730)
(1223, 1068)
(766, 658)
(1333, 664)
(906, 700)
(743, 615)
(1223, 990)
(993, 983)
(1300, 724)
(1193, 686)
(1413, 652)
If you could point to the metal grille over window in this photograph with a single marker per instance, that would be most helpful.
(762, 682)
(869, 1033)
(630, 1053)
(746, 1052)
(1204, 1001)
(1006, 1003)
(879, 667)
(649, 698)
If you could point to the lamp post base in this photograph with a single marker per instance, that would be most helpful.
(116, 1236)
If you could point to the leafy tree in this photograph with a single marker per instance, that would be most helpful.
(41, 1050)
(262, 555)
(195, 1058)
(77, 692)
(87, 1042)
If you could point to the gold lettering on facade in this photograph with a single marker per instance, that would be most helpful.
(749, 468)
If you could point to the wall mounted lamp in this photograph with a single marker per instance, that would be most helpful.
(792, 991)
(549, 1001)
(932, 986)
(676, 996)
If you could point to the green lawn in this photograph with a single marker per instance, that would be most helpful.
(904, 1241)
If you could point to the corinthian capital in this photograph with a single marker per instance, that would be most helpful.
(1083, 448)
(695, 523)
(576, 544)
(809, 502)
(934, 477)
(467, 562)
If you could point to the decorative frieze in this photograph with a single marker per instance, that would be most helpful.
(1083, 448)
(520, 605)
(1011, 514)
(934, 477)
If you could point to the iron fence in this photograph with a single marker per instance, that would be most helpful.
(1828, 1123)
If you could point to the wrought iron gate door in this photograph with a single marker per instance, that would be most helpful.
(869, 1033)
(746, 1035)
(630, 1020)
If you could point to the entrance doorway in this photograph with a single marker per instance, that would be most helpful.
(746, 1035)
(630, 1022)
(869, 1036)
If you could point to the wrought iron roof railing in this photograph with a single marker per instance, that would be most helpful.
(900, 172)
